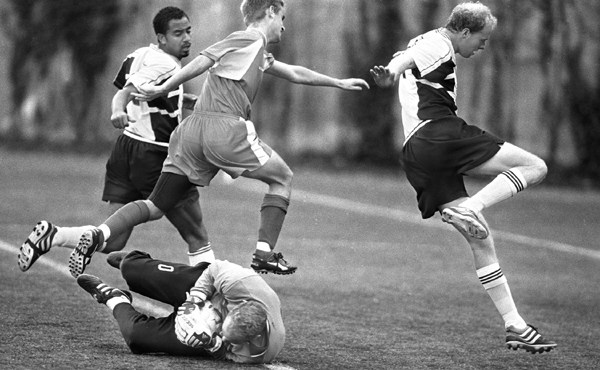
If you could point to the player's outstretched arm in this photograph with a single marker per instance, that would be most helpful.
(388, 75)
(304, 76)
(193, 69)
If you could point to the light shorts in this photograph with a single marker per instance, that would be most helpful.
(207, 142)
(437, 156)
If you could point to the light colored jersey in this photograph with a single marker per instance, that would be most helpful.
(227, 285)
(233, 81)
(429, 90)
(154, 120)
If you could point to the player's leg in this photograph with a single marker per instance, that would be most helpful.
(515, 169)
(278, 176)
(167, 282)
(142, 334)
(118, 189)
(147, 334)
(495, 283)
(166, 194)
(187, 218)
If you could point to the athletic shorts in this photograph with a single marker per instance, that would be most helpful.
(437, 156)
(165, 282)
(205, 143)
(133, 169)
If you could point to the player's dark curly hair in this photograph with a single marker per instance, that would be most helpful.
(164, 16)
(473, 16)
(248, 320)
(254, 10)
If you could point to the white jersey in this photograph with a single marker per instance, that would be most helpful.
(428, 91)
(154, 120)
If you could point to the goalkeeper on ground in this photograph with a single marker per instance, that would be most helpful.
(221, 310)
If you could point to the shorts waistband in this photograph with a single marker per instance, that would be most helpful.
(143, 139)
(218, 114)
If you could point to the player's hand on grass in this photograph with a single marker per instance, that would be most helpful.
(383, 76)
(120, 119)
(353, 84)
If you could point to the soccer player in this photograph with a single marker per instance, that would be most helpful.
(440, 148)
(220, 136)
(139, 152)
(250, 311)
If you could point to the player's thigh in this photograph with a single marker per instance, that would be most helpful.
(274, 170)
(170, 189)
(163, 281)
(509, 156)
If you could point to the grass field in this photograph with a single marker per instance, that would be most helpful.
(376, 288)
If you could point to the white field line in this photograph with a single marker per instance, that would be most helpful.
(415, 218)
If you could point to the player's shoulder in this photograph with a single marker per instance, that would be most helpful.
(432, 39)
(152, 55)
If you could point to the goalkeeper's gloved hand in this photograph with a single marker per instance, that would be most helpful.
(191, 329)
(190, 304)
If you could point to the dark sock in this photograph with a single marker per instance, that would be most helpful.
(272, 214)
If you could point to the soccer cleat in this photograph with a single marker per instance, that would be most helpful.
(81, 256)
(37, 244)
(264, 262)
(100, 291)
(530, 340)
(466, 220)
(114, 258)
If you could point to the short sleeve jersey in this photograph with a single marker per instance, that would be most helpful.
(154, 120)
(229, 285)
(233, 81)
(428, 91)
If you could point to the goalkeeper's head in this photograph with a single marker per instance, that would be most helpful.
(245, 322)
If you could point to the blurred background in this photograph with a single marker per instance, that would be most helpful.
(537, 84)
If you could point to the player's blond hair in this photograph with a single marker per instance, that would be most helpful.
(474, 16)
(247, 320)
(254, 10)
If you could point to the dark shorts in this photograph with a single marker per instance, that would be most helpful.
(133, 169)
(437, 156)
(165, 282)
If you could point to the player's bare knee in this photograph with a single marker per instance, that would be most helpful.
(540, 171)
(287, 178)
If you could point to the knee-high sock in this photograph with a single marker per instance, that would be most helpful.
(204, 254)
(272, 214)
(125, 218)
(504, 186)
(495, 283)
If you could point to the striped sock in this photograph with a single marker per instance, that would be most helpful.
(504, 186)
(495, 283)
(204, 254)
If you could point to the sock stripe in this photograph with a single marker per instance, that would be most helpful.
(206, 248)
(491, 277)
(514, 179)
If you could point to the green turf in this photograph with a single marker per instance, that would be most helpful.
(373, 291)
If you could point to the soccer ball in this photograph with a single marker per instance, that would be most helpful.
(197, 326)
(206, 321)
